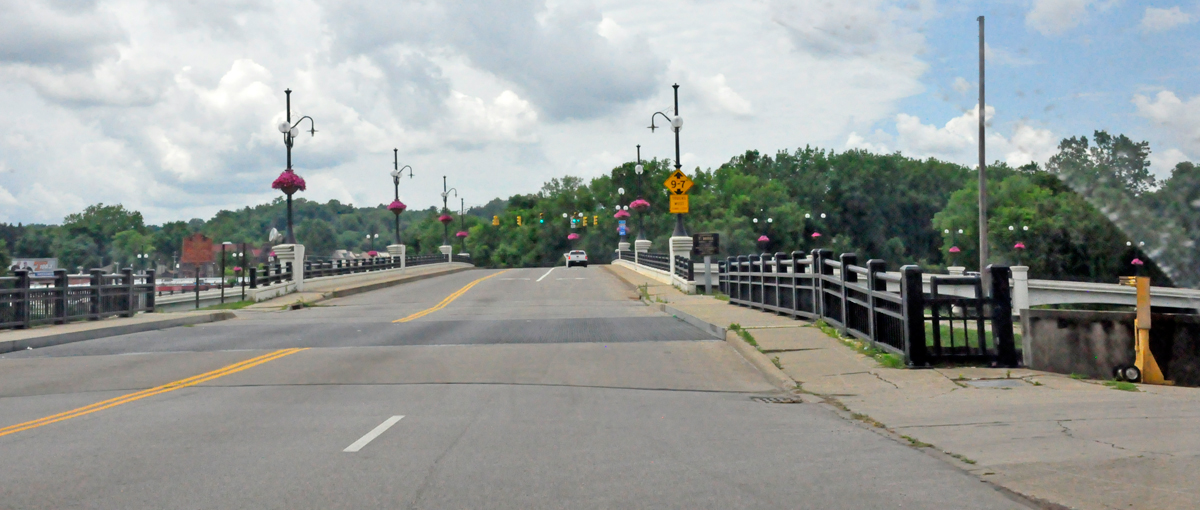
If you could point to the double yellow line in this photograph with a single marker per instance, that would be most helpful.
(157, 390)
(448, 299)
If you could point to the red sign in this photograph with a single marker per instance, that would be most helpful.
(197, 249)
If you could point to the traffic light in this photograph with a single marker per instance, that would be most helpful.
(541, 217)
(585, 221)
(596, 221)
(495, 220)
(518, 221)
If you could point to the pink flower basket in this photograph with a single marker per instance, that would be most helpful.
(462, 234)
(288, 182)
(445, 218)
(1019, 246)
(640, 205)
(237, 269)
(816, 235)
(954, 249)
(372, 253)
(572, 237)
(397, 207)
(1137, 262)
(622, 214)
(763, 239)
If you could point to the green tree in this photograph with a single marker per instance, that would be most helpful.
(101, 222)
(317, 236)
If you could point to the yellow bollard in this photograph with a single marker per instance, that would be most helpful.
(1147, 368)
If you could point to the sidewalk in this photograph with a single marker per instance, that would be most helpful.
(1054, 439)
(315, 291)
(45, 336)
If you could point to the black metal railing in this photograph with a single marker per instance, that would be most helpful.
(272, 274)
(27, 301)
(461, 258)
(660, 261)
(955, 321)
(684, 268)
(425, 259)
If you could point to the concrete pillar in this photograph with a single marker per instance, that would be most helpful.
(623, 246)
(681, 246)
(1020, 289)
(397, 251)
(293, 253)
(446, 250)
(956, 270)
(641, 245)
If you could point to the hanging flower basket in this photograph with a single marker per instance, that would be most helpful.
(372, 253)
(622, 214)
(764, 239)
(288, 182)
(1019, 246)
(237, 269)
(1138, 262)
(445, 218)
(640, 205)
(397, 207)
(816, 235)
(954, 249)
(572, 237)
(462, 234)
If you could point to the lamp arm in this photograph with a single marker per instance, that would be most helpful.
(655, 114)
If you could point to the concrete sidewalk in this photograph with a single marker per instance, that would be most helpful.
(1061, 442)
(45, 336)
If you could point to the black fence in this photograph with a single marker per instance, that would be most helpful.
(27, 301)
(955, 321)
(461, 258)
(684, 268)
(271, 274)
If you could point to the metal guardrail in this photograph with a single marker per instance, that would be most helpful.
(27, 301)
(660, 261)
(860, 302)
(271, 274)
(684, 268)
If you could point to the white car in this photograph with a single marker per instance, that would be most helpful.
(576, 258)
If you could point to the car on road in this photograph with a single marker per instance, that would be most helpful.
(576, 258)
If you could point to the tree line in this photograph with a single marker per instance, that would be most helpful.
(1084, 215)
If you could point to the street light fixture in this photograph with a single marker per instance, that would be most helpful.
(288, 182)
(676, 126)
(445, 218)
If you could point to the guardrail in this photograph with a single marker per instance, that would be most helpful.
(27, 301)
(889, 311)
(684, 268)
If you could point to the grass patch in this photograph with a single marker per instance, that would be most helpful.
(916, 443)
(644, 291)
(720, 296)
(1077, 377)
(745, 335)
(961, 457)
(881, 356)
(778, 365)
(868, 420)
(230, 306)
(1121, 385)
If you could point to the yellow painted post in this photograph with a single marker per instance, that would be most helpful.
(1143, 357)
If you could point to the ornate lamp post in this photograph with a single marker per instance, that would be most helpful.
(397, 206)
(288, 182)
(445, 217)
(462, 226)
(676, 125)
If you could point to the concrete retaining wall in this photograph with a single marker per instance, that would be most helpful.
(1093, 343)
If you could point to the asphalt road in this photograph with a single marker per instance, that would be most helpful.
(532, 388)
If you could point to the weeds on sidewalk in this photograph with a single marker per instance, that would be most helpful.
(1077, 377)
(644, 291)
(917, 443)
(230, 306)
(720, 296)
(881, 356)
(737, 328)
(959, 457)
(775, 360)
(1121, 385)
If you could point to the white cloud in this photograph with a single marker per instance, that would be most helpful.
(961, 85)
(1161, 20)
(957, 140)
(1005, 57)
(1055, 17)
(1177, 119)
(720, 95)
(1163, 161)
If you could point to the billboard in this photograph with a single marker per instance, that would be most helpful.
(35, 265)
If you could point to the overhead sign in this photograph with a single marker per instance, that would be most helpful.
(678, 183)
(197, 249)
(706, 244)
(679, 204)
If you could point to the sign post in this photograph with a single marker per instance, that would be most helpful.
(197, 250)
(706, 245)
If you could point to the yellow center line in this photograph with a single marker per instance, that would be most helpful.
(448, 299)
(157, 390)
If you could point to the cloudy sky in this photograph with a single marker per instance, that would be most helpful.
(171, 108)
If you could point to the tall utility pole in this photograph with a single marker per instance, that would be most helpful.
(983, 226)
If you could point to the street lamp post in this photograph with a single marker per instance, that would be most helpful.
(288, 181)
(445, 219)
(223, 245)
(676, 126)
(397, 206)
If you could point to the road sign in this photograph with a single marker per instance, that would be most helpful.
(678, 183)
(679, 204)
(621, 228)
(706, 244)
(495, 220)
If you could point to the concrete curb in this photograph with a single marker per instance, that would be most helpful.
(337, 293)
(770, 372)
(52, 339)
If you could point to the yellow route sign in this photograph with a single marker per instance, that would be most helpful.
(679, 204)
(678, 183)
